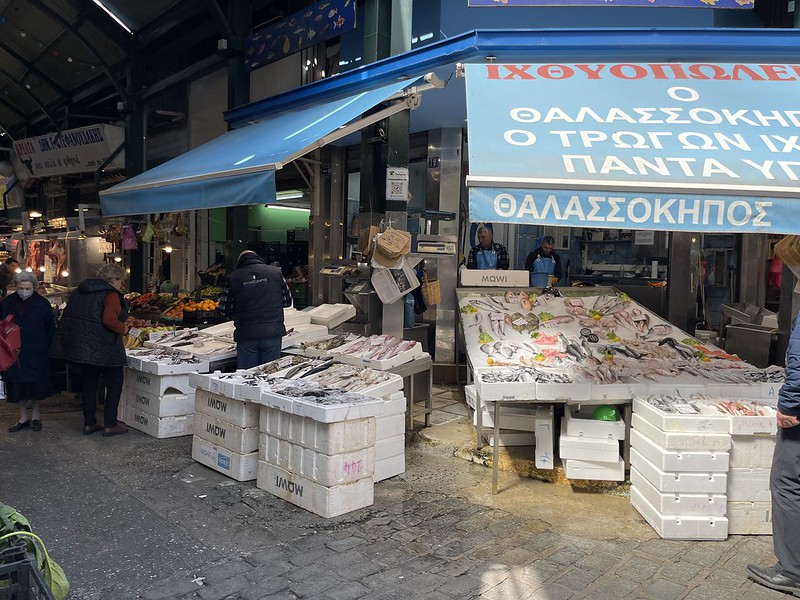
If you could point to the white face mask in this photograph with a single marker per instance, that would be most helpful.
(25, 294)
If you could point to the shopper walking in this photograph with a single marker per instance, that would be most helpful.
(90, 335)
(785, 481)
(7, 272)
(255, 294)
(486, 254)
(543, 263)
(28, 380)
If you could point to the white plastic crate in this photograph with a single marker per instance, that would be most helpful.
(390, 426)
(159, 427)
(679, 504)
(594, 470)
(389, 467)
(324, 501)
(680, 461)
(677, 482)
(328, 438)
(386, 447)
(580, 424)
(749, 518)
(674, 440)
(236, 412)
(168, 405)
(241, 467)
(315, 466)
(752, 451)
(226, 435)
(679, 528)
(544, 429)
(158, 385)
(686, 423)
(748, 485)
(586, 448)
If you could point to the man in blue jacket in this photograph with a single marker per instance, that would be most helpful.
(785, 482)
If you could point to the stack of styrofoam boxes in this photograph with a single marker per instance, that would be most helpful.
(226, 434)
(390, 438)
(321, 458)
(589, 448)
(679, 465)
(159, 405)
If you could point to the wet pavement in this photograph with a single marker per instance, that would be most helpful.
(135, 517)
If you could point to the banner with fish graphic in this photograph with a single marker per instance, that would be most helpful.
(315, 24)
(655, 3)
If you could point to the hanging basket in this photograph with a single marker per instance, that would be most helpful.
(431, 290)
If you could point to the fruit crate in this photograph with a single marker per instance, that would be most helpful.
(20, 578)
(202, 317)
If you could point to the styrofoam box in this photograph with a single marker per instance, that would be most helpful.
(395, 404)
(332, 315)
(159, 427)
(514, 391)
(686, 386)
(676, 440)
(168, 405)
(749, 518)
(389, 467)
(159, 368)
(679, 504)
(328, 438)
(510, 438)
(158, 385)
(293, 317)
(386, 447)
(241, 467)
(589, 449)
(611, 391)
(315, 466)
(702, 423)
(544, 425)
(385, 364)
(519, 418)
(681, 461)
(390, 426)
(752, 451)
(748, 485)
(324, 501)
(470, 395)
(594, 470)
(384, 389)
(579, 423)
(122, 407)
(744, 425)
(365, 406)
(672, 527)
(576, 391)
(236, 412)
(676, 482)
(227, 435)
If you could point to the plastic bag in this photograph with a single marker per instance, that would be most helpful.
(147, 236)
(129, 238)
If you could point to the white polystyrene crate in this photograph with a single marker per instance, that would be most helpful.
(519, 418)
(680, 461)
(241, 467)
(380, 364)
(158, 385)
(324, 501)
(321, 468)
(579, 423)
(586, 448)
(332, 315)
(159, 368)
(748, 485)
(200, 381)
(168, 405)
(686, 423)
(470, 395)
(752, 451)
(751, 391)
(595, 470)
(358, 407)
(686, 386)
(159, 427)
(293, 317)
(390, 426)
(394, 405)
(514, 391)
(679, 504)
(677, 482)
(236, 412)
(328, 438)
(386, 447)
(544, 426)
(676, 440)
(510, 438)
(122, 407)
(746, 425)
(611, 391)
(679, 528)
(227, 435)
(389, 467)
(749, 518)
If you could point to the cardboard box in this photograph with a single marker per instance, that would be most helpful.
(241, 467)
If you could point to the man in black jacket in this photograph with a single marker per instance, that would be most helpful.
(7, 272)
(255, 294)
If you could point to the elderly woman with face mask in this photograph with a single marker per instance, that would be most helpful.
(28, 380)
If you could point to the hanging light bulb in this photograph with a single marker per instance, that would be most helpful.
(43, 268)
(28, 270)
(168, 248)
(65, 273)
(118, 259)
(18, 270)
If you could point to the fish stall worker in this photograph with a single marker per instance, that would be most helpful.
(784, 482)
(486, 254)
(7, 272)
(255, 294)
(543, 262)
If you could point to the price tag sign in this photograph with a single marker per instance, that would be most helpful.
(134, 332)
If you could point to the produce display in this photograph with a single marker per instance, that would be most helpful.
(151, 302)
(202, 306)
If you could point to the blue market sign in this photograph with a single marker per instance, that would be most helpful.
(656, 3)
(677, 146)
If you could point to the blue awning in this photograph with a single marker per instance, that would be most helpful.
(238, 168)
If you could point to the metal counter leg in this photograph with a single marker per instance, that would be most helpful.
(495, 446)
(479, 419)
(408, 384)
(429, 399)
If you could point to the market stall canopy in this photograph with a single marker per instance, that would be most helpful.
(238, 168)
(660, 146)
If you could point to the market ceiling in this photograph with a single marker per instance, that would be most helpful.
(63, 63)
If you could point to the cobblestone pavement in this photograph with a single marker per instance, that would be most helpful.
(135, 517)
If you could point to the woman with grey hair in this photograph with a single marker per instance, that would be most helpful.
(90, 335)
(28, 380)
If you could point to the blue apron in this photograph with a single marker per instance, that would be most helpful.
(486, 259)
(543, 267)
